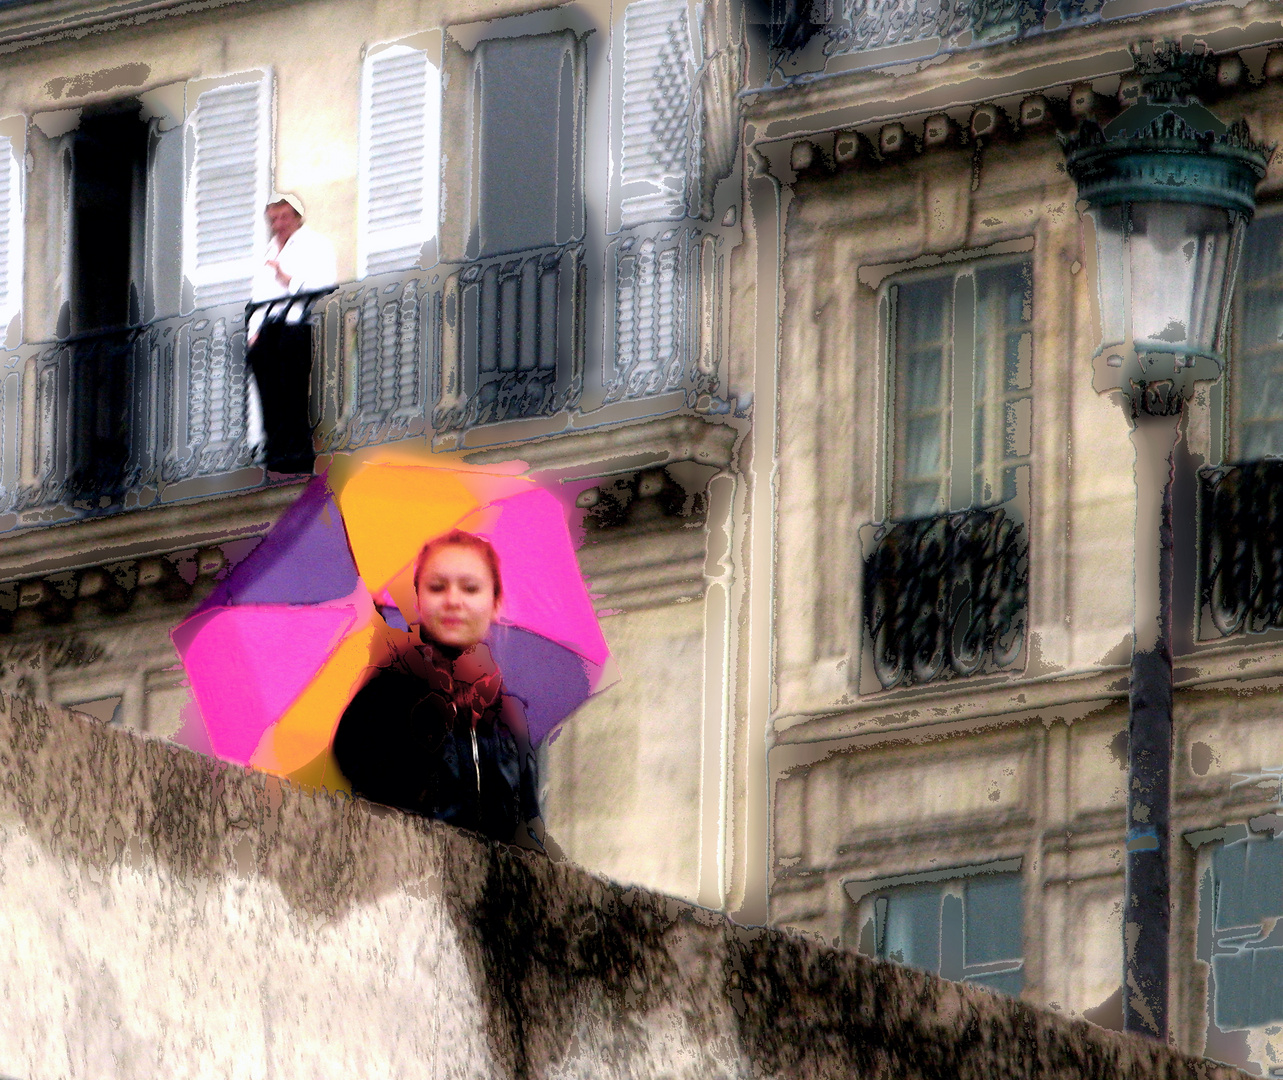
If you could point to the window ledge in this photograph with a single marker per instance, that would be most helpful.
(964, 702)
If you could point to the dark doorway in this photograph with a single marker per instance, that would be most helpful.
(108, 191)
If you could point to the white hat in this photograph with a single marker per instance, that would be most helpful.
(292, 200)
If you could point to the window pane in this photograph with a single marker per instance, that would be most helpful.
(1003, 377)
(912, 934)
(1249, 882)
(967, 928)
(923, 318)
(994, 919)
(1257, 367)
(1241, 940)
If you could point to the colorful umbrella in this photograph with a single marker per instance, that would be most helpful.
(277, 651)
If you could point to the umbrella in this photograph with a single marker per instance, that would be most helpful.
(279, 648)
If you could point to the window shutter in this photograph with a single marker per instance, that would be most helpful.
(9, 248)
(399, 174)
(227, 192)
(655, 143)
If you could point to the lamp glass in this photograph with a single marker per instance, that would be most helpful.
(1165, 272)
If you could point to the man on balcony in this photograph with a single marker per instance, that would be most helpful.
(299, 261)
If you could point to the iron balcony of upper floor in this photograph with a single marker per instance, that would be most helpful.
(134, 416)
(1241, 548)
(946, 595)
(862, 34)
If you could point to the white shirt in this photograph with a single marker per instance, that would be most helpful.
(307, 259)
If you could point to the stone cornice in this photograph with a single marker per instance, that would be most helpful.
(960, 705)
(861, 98)
(24, 25)
(141, 533)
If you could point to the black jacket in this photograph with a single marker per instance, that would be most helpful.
(407, 740)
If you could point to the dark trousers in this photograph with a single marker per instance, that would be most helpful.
(281, 359)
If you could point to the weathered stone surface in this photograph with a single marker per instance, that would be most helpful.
(165, 914)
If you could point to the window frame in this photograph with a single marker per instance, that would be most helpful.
(961, 398)
(867, 919)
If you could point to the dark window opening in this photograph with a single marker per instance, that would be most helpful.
(108, 189)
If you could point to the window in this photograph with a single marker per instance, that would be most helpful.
(1240, 904)
(657, 132)
(965, 925)
(962, 352)
(400, 152)
(227, 188)
(1257, 365)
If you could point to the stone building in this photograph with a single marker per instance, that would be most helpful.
(958, 801)
(738, 275)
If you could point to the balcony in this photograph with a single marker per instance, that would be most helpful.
(137, 416)
(946, 596)
(1241, 548)
(869, 33)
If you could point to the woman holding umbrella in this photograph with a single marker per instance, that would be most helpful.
(433, 732)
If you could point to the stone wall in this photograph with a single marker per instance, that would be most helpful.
(164, 914)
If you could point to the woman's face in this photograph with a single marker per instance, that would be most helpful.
(456, 596)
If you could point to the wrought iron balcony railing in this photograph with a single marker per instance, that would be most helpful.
(1241, 542)
(946, 596)
(111, 419)
(925, 28)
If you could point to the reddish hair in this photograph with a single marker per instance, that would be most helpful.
(459, 538)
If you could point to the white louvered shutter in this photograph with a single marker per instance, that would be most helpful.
(227, 191)
(656, 142)
(10, 234)
(399, 150)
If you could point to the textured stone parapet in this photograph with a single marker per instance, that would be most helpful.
(165, 914)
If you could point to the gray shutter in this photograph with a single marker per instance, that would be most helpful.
(225, 177)
(395, 162)
(656, 143)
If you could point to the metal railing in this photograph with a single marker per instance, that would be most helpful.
(932, 27)
(946, 596)
(1241, 546)
(91, 424)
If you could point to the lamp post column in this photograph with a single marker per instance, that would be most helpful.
(1170, 189)
(1146, 909)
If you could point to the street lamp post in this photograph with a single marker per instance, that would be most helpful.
(1169, 190)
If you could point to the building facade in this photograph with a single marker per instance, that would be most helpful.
(795, 301)
(948, 788)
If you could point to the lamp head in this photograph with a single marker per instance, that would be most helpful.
(1170, 189)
